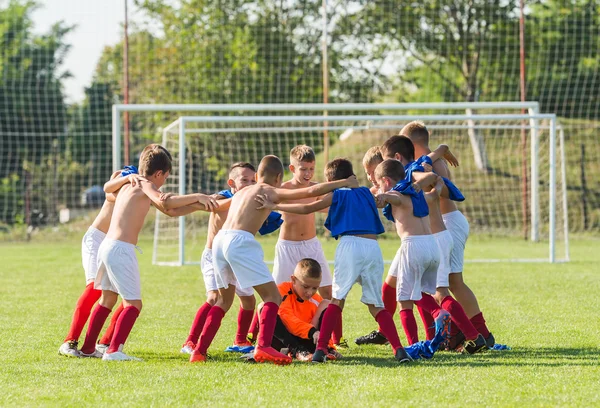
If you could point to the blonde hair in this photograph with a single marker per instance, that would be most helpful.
(373, 156)
(308, 268)
(302, 153)
(154, 158)
(417, 132)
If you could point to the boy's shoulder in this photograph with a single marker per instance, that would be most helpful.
(284, 288)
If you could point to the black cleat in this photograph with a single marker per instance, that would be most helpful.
(455, 342)
(375, 337)
(319, 356)
(475, 346)
(490, 341)
(402, 356)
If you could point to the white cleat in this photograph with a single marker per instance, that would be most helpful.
(188, 348)
(119, 356)
(95, 354)
(101, 348)
(69, 349)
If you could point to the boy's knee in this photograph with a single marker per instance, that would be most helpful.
(212, 296)
(440, 294)
(391, 281)
(135, 303)
(406, 304)
(108, 299)
(248, 302)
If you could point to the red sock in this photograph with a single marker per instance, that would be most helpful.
(210, 329)
(254, 326)
(331, 317)
(99, 315)
(244, 321)
(123, 328)
(454, 330)
(428, 323)
(336, 335)
(388, 294)
(198, 323)
(268, 319)
(108, 335)
(429, 304)
(460, 318)
(479, 323)
(388, 329)
(410, 325)
(82, 311)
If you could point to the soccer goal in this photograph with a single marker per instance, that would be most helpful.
(203, 147)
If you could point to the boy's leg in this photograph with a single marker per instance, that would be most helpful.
(428, 323)
(331, 317)
(83, 308)
(467, 299)
(409, 323)
(386, 325)
(108, 335)
(245, 315)
(457, 313)
(131, 311)
(97, 320)
(200, 319)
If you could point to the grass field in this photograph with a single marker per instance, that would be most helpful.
(547, 313)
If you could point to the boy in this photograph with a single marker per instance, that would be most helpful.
(238, 257)
(458, 226)
(118, 272)
(89, 253)
(352, 215)
(370, 162)
(241, 175)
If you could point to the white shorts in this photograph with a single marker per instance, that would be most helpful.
(358, 260)
(238, 260)
(89, 252)
(458, 226)
(208, 272)
(418, 261)
(445, 243)
(118, 269)
(289, 253)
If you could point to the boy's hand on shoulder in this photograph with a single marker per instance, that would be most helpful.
(136, 180)
(209, 202)
(380, 200)
(352, 182)
(427, 167)
(265, 202)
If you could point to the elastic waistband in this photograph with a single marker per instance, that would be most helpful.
(442, 233)
(236, 232)
(453, 214)
(416, 238)
(122, 244)
(95, 232)
(358, 239)
(298, 243)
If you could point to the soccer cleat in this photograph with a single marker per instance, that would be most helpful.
(69, 349)
(442, 324)
(455, 343)
(402, 356)
(95, 354)
(197, 357)
(269, 354)
(319, 356)
(240, 348)
(304, 355)
(119, 356)
(474, 346)
(333, 354)
(250, 338)
(343, 343)
(375, 337)
(490, 341)
(101, 348)
(188, 348)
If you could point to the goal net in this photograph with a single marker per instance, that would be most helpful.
(496, 153)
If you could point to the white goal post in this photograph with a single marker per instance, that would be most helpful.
(532, 108)
(177, 134)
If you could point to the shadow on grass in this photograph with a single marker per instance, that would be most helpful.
(543, 356)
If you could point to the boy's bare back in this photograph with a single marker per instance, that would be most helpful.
(244, 214)
(131, 208)
(297, 227)
(441, 169)
(405, 220)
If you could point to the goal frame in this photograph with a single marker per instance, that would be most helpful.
(180, 126)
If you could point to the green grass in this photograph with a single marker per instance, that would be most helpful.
(547, 313)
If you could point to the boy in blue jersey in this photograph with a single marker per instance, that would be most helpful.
(354, 217)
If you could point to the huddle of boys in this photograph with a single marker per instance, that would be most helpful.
(293, 320)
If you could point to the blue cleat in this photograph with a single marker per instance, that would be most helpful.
(242, 348)
(442, 324)
(500, 347)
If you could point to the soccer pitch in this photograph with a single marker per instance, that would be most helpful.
(547, 313)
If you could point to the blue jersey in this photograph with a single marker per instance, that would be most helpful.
(420, 208)
(271, 224)
(353, 212)
(453, 192)
(127, 170)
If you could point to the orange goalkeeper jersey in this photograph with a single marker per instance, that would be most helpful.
(295, 312)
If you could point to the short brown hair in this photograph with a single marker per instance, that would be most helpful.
(302, 153)
(270, 167)
(338, 169)
(417, 132)
(390, 168)
(240, 165)
(398, 144)
(373, 156)
(309, 268)
(154, 158)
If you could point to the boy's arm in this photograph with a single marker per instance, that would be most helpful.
(165, 203)
(390, 197)
(281, 194)
(222, 205)
(436, 191)
(265, 202)
(443, 151)
(115, 183)
(293, 324)
(424, 180)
